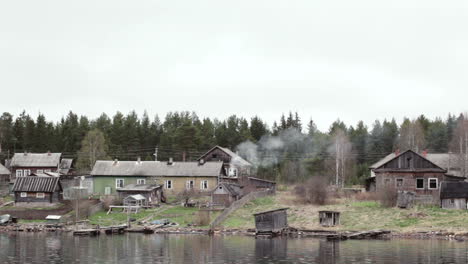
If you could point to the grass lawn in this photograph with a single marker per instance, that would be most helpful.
(355, 215)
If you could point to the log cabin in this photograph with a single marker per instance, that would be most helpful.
(34, 189)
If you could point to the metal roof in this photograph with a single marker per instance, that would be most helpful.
(272, 211)
(232, 188)
(65, 165)
(3, 170)
(36, 184)
(36, 160)
(156, 168)
(137, 197)
(453, 190)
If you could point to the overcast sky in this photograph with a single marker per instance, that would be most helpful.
(353, 60)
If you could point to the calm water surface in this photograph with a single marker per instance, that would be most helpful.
(139, 248)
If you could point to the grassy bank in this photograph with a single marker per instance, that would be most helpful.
(355, 215)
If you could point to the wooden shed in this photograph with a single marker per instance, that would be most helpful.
(226, 193)
(273, 221)
(135, 200)
(329, 218)
(454, 195)
(38, 189)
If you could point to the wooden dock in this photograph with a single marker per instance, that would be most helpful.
(118, 229)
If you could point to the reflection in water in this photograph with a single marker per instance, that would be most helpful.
(138, 248)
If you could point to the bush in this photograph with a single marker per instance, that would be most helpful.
(388, 197)
(313, 191)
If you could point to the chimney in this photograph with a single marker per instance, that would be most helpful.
(155, 154)
(115, 162)
(201, 162)
(48, 153)
(397, 152)
(424, 153)
(183, 156)
(170, 162)
(138, 160)
(25, 153)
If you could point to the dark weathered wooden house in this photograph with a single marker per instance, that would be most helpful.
(24, 164)
(454, 195)
(153, 193)
(233, 164)
(410, 171)
(32, 189)
(273, 221)
(226, 193)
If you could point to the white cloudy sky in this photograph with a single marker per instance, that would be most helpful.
(325, 59)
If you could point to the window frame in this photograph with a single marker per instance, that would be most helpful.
(19, 173)
(202, 185)
(168, 184)
(141, 181)
(117, 183)
(40, 195)
(190, 184)
(39, 171)
(423, 182)
(429, 183)
(23, 194)
(26, 173)
(402, 182)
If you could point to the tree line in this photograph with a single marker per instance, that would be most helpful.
(343, 152)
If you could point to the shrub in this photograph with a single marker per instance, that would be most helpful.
(313, 191)
(388, 197)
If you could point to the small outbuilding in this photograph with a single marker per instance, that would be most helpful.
(454, 195)
(153, 193)
(135, 200)
(226, 193)
(329, 218)
(38, 189)
(4, 175)
(273, 221)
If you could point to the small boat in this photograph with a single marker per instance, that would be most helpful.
(4, 219)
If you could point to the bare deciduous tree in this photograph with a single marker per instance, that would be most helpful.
(93, 147)
(342, 154)
(411, 136)
(459, 143)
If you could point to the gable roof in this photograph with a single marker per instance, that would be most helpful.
(232, 188)
(36, 184)
(65, 165)
(453, 190)
(446, 161)
(36, 160)
(155, 168)
(235, 158)
(3, 170)
(430, 166)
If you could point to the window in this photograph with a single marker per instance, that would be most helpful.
(451, 201)
(40, 195)
(387, 181)
(107, 190)
(168, 184)
(399, 182)
(433, 183)
(119, 183)
(19, 173)
(23, 194)
(232, 172)
(27, 172)
(141, 181)
(40, 171)
(214, 156)
(189, 185)
(408, 163)
(204, 185)
(420, 183)
(48, 170)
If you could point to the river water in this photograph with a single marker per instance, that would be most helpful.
(139, 248)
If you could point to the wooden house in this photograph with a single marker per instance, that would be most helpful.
(34, 189)
(233, 164)
(175, 177)
(24, 164)
(226, 193)
(454, 195)
(410, 171)
(152, 192)
(273, 221)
